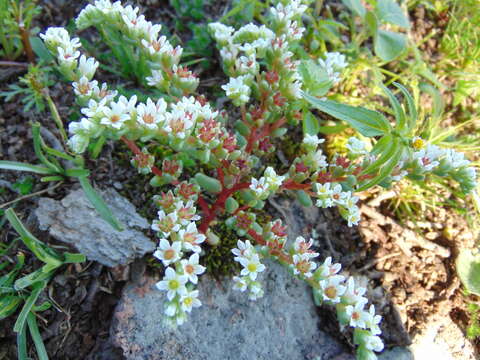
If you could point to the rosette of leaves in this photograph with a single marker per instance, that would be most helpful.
(392, 141)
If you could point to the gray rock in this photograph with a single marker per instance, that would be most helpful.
(75, 221)
(282, 325)
(396, 353)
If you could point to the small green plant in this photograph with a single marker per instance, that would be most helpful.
(30, 88)
(15, 21)
(388, 45)
(24, 291)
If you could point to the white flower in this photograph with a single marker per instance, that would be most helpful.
(356, 146)
(243, 250)
(84, 126)
(354, 294)
(258, 186)
(251, 266)
(186, 212)
(320, 160)
(129, 104)
(329, 269)
(192, 268)
(173, 283)
(94, 108)
(68, 55)
(312, 140)
(168, 253)
(191, 238)
(333, 64)
(56, 37)
(103, 93)
(333, 288)
(84, 87)
(455, 159)
(189, 300)
(427, 157)
(373, 343)
(256, 291)
(239, 284)
(78, 143)
(156, 78)
(87, 67)
(115, 115)
(148, 114)
(221, 33)
(302, 247)
(295, 89)
(272, 180)
(166, 223)
(353, 218)
(372, 321)
(179, 123)
(238, 90)
(356, 314)
(303, 265)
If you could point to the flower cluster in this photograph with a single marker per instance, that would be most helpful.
(333, 64)
(176, 222)
(148, 45)
(246, 254)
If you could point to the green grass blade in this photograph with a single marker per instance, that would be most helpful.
(18, 166)
(41, 251)
(99, 204)
(37, 338)
(22, 317)
(22, 344)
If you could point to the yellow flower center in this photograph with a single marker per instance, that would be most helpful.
(188, 301)
(173, 284)
(252, 267)
(169, 254)
(418, 144)
(331, 292)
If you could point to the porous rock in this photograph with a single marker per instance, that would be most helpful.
(282, 325)
(75, 221)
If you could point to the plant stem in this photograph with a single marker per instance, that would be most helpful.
(27, 46)
(55, 115)
(136, 150)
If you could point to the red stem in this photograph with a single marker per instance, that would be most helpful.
(273, 251)
(136, 150)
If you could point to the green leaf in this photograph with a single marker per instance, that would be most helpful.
(386, 170)
(304, 198)
(41, 251)
(22, 317)
(438, 103)
(8, 305)
(397, 109)
(18, 166)
(39, 275)
(40, 49)
(36, 337)
(386, 147)
(73, 258)
(310, 123)
(355, 6)
(22, 344)
(468, 269)
(77, 172)
(315, 78)
(333, 129)
(412, 110)
(389, 11)
(208, 183)
(372, 22)
(99, 205)
(389, 45)
(367, 122)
